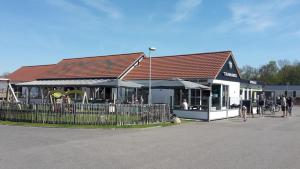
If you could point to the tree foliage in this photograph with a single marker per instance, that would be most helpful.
(4, 75)
(280, 72)
(249, 72)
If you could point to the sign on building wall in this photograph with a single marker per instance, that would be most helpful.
(234, 75)
(229, 71)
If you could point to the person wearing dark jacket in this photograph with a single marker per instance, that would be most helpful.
(261, 104)
(289, 101)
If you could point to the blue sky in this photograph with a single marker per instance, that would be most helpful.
(34, 32)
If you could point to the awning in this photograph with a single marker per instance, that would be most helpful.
(119, 83)
(176, 83)
(54, 83)
(3, 79)
(83, 82)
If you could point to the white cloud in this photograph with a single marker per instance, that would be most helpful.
(87, 6)
(256, 16)
(104, 6)
(183, 9)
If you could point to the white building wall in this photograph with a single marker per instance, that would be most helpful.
(222, 114)
(234, 90)
(215, 115)
(233, 113)
(201, 115)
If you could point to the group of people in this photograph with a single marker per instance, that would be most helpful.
(286, 105)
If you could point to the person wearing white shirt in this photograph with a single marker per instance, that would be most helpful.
(185, 105)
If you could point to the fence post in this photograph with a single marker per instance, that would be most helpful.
(116, 114)
(74, 113)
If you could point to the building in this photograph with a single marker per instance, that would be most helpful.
(273, 91)
(75, 73)
(217, 70)
(250, 89)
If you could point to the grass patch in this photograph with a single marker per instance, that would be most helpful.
(25, 124)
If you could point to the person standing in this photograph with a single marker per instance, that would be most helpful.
(244, 113)
(141, 100)
(261, 103)
(185, 105)
(289, 105)
(283, 106)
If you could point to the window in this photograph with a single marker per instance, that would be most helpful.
(35, 93)
(179, 95)
(99, 94)
(130, 95)
(250, 95)
(108, 92)
(143, 95)
(294, 93)
(195, 97)
(225, 95)
(216, 92)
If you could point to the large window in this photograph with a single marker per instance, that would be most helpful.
(225, 94)
(130, 95)
(220, 96)
(216, 94)
(35, 93)
(195, 97)
(143, 95)
(179, 95)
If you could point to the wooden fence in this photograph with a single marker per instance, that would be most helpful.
(85, 114)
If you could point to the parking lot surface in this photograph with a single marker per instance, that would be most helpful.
(270, 142)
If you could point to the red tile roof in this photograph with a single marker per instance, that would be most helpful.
(111, 66)
(201, 66)
(29, 73)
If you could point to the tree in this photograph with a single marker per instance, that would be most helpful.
(268, 73)
(4, 75)
(283, 72)
(283, 63)
(249, 72)
(290, 74)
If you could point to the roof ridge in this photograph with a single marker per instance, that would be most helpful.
(103, 56)
(177, 55)
(38, 65)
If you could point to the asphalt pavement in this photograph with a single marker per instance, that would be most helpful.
(270, 142)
